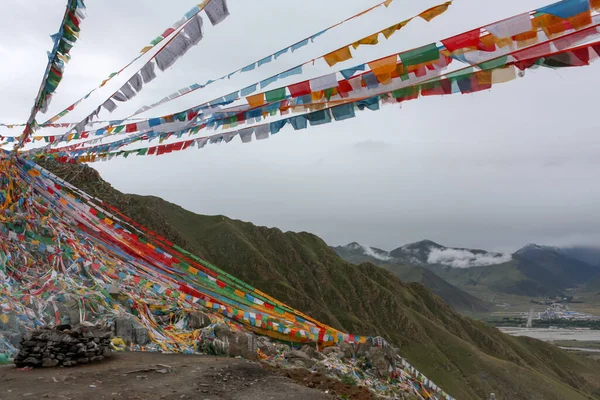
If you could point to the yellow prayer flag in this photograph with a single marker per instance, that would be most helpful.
(4, 318)
(256, 100)
(337, 56)
(239, 293)
(433, 12)
(192, 270)
(394, 28)
(316, 96)
(370, 40)
(388, 2)
(146, 49)
(502, 42)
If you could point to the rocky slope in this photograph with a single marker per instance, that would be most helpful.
(466, 358)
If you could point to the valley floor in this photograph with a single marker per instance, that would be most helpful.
(178, 377)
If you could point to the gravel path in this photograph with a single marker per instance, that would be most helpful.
(178, 377)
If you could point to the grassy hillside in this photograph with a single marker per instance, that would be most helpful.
(518, 276)
(467, 358)
(453, 296)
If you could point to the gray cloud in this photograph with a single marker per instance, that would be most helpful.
(492, 170)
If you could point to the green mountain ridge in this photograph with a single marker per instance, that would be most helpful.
(467, 358)
(533, 271)
(457, 298)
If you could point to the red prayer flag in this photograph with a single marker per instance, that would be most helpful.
(467, 39)
(436, 88)
(300, 89)
(129, 128)
(167, 32)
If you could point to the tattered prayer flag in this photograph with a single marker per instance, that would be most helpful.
(300, 89)
(369, 40)
(257, 100)
(421, 55)
(464, 40)
(433, 12)
(217, 11)
(388, 32)
(275, 95)
(337, 56)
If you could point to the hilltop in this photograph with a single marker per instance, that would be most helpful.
(467, 358)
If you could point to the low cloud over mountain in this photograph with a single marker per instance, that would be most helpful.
(461, 258)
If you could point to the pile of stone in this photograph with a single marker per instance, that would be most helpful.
(64, 345)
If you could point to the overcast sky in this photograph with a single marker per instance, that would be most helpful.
(492, 170)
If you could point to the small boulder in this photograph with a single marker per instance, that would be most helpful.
(198, 320)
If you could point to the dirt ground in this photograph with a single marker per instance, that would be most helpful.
(148, 376)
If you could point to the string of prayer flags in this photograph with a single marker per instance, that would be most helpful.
(333, 58)
(464, 81)
(187, 37)
(471, 53)
(344, 53)
(166, 34)
(63, 42)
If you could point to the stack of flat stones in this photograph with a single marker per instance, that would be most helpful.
(65, 346)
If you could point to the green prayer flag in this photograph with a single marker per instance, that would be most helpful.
(404, 92)
(275, 95)
(460, 73)
(119, 129)
(492, 64)
(421, 55)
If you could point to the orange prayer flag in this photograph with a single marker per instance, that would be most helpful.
(595, 4)
(484, 77)
(384, 66)
(388, 2)
(256, 100)
(337, 56)
(370, 40)
(433, 12)
(581, 20)
(526, 39)
(550, 24)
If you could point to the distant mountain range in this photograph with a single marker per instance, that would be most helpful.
(533, 271)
